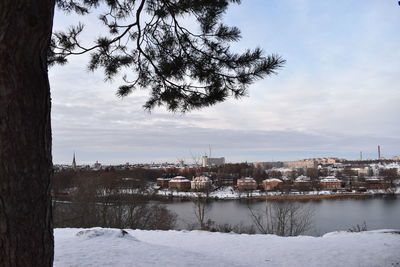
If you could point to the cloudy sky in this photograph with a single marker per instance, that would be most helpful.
(338, 94)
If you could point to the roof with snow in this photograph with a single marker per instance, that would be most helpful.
(179, 179)
(246, 180)
(272, 180)
(303, 178)
(203, 179)
(163, 179)
(330, 179)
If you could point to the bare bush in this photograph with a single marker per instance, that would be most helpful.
(283, 218)
(238, 228)
(358, 228)
(116, 215)
(99, 201)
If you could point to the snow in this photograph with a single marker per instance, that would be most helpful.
(179, 179)
(272, 180)
(302, 178)
(246, 180)
(229, 193)
(222, 193)
(112, 247)
(226, 192)
(330, 179)
(202, 179)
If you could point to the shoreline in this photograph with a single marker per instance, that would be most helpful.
(315, 197)
(159, 197)
(286, 196)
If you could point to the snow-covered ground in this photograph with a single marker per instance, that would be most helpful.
(110, 247)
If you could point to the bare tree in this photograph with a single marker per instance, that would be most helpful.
(100, 199)
(283, 218)
(201, 209)
(390, 175)
(196, 158)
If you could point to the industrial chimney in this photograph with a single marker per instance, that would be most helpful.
(379, 152)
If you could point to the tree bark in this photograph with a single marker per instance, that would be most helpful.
(26, 234)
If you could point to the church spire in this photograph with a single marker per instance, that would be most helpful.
(74, 163)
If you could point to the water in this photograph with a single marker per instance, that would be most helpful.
(329, 214)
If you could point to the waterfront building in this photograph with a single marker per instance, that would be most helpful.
(302, 182)
(246, 183)
(201, 183)
(163, 182)
(330, 182)
(179, 183)
(271, 184)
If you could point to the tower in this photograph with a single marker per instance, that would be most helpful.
(74, 163)
(379, 152)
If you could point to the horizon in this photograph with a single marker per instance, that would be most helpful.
(190, 162)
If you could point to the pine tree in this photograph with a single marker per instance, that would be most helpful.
(184, 69)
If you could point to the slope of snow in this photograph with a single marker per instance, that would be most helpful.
(112, 247)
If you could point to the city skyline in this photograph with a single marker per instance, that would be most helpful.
(198, 160)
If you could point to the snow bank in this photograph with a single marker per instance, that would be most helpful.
(111, 247)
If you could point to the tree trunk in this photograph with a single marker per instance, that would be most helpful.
(26, 234)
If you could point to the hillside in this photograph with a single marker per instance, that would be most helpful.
(112, 247)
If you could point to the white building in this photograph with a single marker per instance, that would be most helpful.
(201, 183)
(209, 162)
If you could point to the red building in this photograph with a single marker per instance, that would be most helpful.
(330, 182)
(247, 183)
(180, 183)
(163, 182)
(271, 184)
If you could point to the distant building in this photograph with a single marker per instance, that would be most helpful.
(302, 178)
(330, 182)
(163, 182)
(97, 166)
(310, 163)
(302, 182)
(226, 181)
(179, 183)
(361, 170)
(376, 183)
(271, 184)
(73, 163)
(284, 172)
(301, 164)
(201, 183)
(210, 162)
(247, 183)
(260, 165)
(268, 165)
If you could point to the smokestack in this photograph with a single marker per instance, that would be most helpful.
(379, 152)
(360, 155)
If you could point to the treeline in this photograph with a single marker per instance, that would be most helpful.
(111, 198)
(66, 180)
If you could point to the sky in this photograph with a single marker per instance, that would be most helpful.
(338, 94)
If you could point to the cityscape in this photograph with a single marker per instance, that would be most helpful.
(214, 178)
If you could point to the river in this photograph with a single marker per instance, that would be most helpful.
(381, 212)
